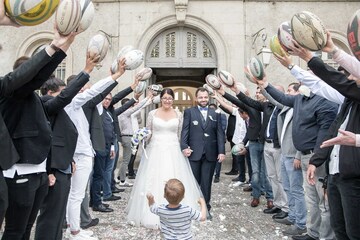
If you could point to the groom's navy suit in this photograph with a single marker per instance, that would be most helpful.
(207, 140)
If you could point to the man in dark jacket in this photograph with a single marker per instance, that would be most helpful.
(55, 97)
(27, 123)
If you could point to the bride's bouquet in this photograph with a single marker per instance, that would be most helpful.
(138, 136)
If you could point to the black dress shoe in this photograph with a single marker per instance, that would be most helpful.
(303, 237)
(209, 216)
(216, 179)
(102, 208)
(112, 198)
(232, 172)
(272, 210)
(280, 215)
(94, 222)
(106, 205)
(247, 189)
(132, 176)
(117, 190)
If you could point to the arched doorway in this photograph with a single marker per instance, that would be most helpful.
(181, 57)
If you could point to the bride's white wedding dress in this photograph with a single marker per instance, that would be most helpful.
(164, 161)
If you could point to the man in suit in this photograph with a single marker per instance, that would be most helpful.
(59, 166)
(203, 141)
(27, 123)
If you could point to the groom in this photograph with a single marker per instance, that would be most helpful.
(203, 141)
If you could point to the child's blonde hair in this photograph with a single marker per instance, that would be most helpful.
(174, 191)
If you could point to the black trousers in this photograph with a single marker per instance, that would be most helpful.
(26, 194)
(203, 171)
(3, 198)
(344, 202)
(52, 212)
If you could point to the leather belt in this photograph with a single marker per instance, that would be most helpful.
(306, 152)
(269, 140)
(127, 135)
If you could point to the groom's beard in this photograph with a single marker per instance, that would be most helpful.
(203, 104)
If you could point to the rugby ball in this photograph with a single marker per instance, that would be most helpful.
(30, 12)
(237, 148)
(144, 73)
(156, 88)
(256, 68)
(248, 74)
(241, 87)
(133, 59)
(124, 51)
(68, 16)
(353, 34)
(140, 87)
(226, 78)
(87, 15)
(308, 30)
(98, 45)
(209, 89)
(213, 81)
(276, 47)
(156, 99)
(285, 36)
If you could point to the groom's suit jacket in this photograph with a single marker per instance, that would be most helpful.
(202, 137)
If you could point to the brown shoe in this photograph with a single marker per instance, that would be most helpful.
(270, 204)
(255, 202)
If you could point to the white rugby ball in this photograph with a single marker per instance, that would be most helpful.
(285, 36)
(237, 148)
(248, 74)
(308, 30)
(256, 68)
(140, 87)
(98, 45)
(226, 78)
(68, 16)
(213, 81)
(124, 51)
(209, 89)
(133, 59)
(144, 73)
(87, 15)
(241, 87)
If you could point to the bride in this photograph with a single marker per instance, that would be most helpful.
(161, 161)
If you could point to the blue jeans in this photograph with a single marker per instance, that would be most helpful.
(292, 180)
(100, 176)
(259, 179)
(108, 170)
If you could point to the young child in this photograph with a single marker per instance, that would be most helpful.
(175, 218)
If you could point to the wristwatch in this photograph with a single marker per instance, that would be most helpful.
(290, 66)
(55, 48)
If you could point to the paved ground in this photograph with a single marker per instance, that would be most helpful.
(233, 218)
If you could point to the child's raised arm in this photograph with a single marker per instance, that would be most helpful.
(150, 198)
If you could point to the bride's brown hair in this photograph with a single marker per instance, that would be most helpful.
(167, 91)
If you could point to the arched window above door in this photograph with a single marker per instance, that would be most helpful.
(181, 47)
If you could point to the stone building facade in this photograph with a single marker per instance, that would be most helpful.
(183, 40)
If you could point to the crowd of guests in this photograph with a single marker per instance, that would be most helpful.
(302, 144)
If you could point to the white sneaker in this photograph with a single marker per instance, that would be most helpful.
(83, 235)
(238, 184)
(125, 184)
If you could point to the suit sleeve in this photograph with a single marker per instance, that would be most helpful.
(92, 103)
(185, 130)
(250, 102)
(120, 95)
(282, 98)
(335, 79)
(23, 74)
(54, 105)
(124, 107)
(41, 77)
